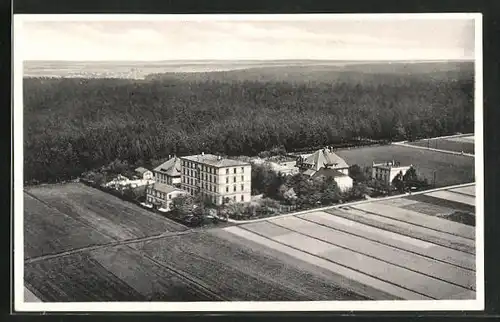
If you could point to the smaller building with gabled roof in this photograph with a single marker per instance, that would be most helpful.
(143, 173)
(161, 195)
(323, 158)
(169, 172)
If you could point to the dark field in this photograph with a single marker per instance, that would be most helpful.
(242, 273)
(48, 231)
(103, 212)
(110, 274)
(450, 169)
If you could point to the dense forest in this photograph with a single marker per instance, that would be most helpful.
(73, 125)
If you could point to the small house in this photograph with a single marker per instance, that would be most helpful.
(161, 195)
(143, 173)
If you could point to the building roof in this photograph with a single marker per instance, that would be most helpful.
(214, 160)
(162, 187)
(390, 165)
(171, 167)
(309, 172)
(141, 170)
(325, 158)
(329, 173)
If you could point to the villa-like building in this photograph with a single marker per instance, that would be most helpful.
(168, 172)
(161, 195)
(218, 178)
(325, 162)
(387, 171)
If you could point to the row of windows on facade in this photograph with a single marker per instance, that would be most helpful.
(213, 197)
(158, 194)
(209, 177)
(204, 168)
(209, 187)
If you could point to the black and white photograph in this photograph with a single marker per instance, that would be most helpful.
(257, 162)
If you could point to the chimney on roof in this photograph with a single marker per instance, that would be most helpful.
(219, 158)
(202, 153)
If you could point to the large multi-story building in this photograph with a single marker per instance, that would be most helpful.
(218, 178)
(387, 171)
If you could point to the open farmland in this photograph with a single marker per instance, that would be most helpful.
(405, 253)
(247, 273)
(449, 169)
(48, 231)
(456, 144)
(103, 212)
(109, 274)
(376, 249)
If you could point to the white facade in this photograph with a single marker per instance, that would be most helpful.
(387, 171)
(158, 195)
(344, 182)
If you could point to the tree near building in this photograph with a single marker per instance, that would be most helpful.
(398, 182)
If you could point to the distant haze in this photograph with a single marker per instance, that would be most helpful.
(369, 40)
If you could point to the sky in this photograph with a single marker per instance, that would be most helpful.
(397, 39)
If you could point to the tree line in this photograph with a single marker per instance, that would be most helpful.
(74, 125)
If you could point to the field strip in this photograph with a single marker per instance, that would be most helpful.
(465, 194)
(462, 139)
(375, 282)
(432, 149)
(327, 277)
(358, 262)
(457, 206)
(116, 243)
(182, 275)
(452, 196)
(388, 273)
(412, 245)
(418, 264)
(418, 219)
(86, 224)
(29, 296)
(403, 228)
(470, 190)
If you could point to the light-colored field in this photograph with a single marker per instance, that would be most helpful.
(397, 257)
(407, 229)
(460, 232)
(30, 297)
(466, 139)
(448, 195)
(386, 237)
(395, 291)
(469, 190)
(370, 266)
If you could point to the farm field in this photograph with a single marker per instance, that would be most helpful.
(48, 231)
(110, 274)
(449, 169)
(380, 249)
(103, 212)
(244, 273)
(405, 253)
(455, 144)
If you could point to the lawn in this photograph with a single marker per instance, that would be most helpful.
(106, 213)
(111, 274)
(239, 272)
(449, 169)
(446, 144)
(48, 231)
